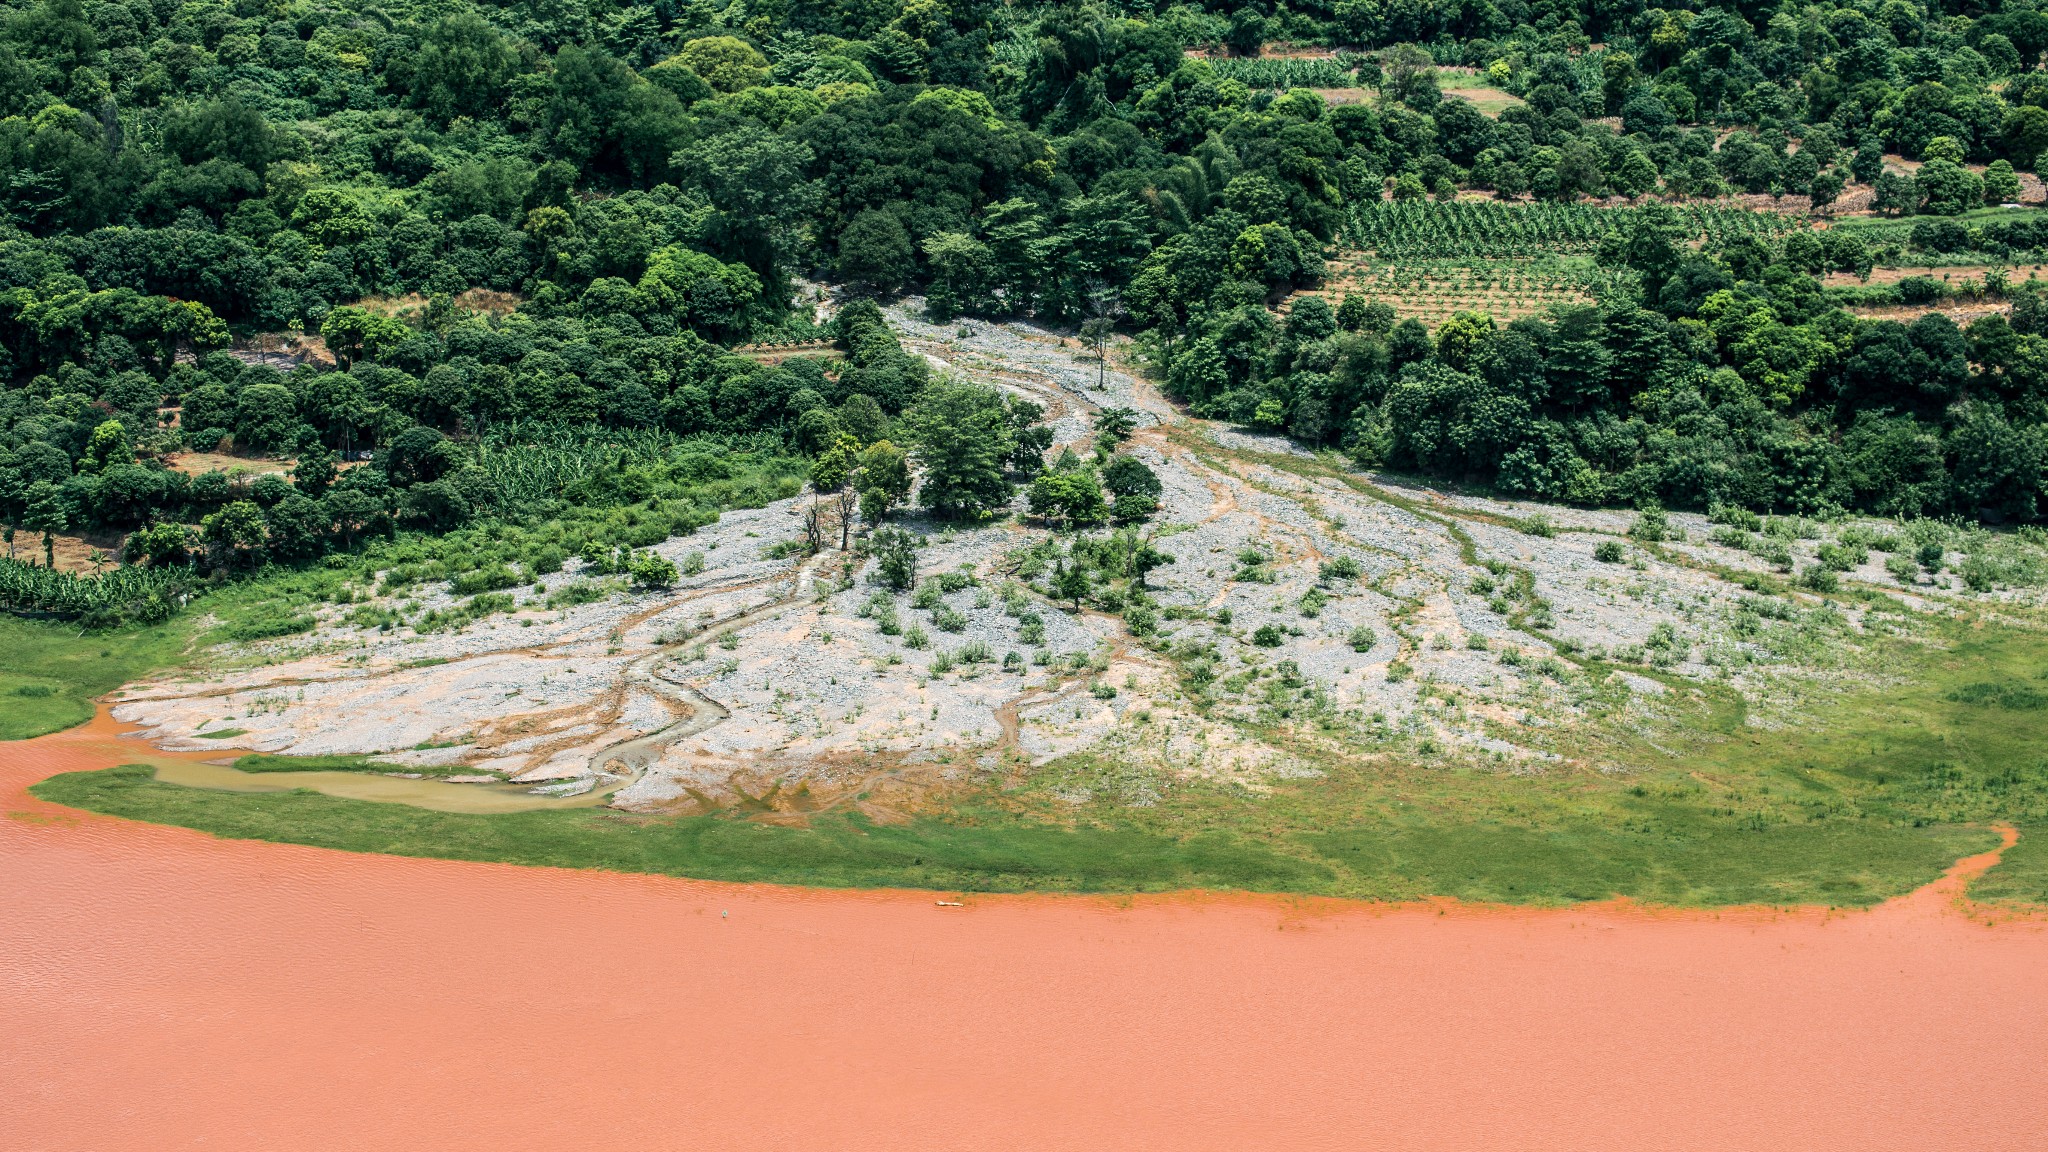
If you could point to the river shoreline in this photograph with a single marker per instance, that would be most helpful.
(238, 994)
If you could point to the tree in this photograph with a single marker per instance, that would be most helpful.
(755, 179)
(295, 527)
(1948, 188)
(418, 455)
(353, 334)
(1247, 31)
(266, 418)
(816, 429)
(235, 535)
(47, 512)
(108, 447)
(1826, 188)
(884, 480)
(863, 418)
(1096, 333)
(875, 252)
(1032, 437)
(895, 558)
(1896, 195)
(159, 545)
(1070, 497)
(960, 269)
(1113, 426)
(1071, 581)
(315, 470)
(2001, 183)
(961, 435)
(462, 68)
(1636, 175)
(727, 63)
(1134, 485)
(832, 475)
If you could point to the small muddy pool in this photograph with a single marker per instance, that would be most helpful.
(439, 795)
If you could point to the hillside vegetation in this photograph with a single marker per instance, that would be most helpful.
(497, 305)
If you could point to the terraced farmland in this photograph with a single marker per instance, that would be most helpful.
(1433, 290)
(1491, 230)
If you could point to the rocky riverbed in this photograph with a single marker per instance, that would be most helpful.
(780, 686)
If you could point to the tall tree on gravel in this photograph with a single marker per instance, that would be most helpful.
(961, 436)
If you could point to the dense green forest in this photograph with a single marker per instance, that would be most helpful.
(593, 203)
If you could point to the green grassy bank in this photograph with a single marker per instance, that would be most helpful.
(52, 671)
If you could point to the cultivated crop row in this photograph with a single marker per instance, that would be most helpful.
(142, 593)
(1490, 229)
(1283, 72)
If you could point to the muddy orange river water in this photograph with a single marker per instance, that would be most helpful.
(160, 989)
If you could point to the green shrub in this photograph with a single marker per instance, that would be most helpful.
(1362, 639)
(1140, 619)
(947, 619)
(1609, 552)
(1651, 525)
(1267, 636)
(1775, 553)
(1740, 519)
(1820, 578)
(484, 581)
(487, 603)
(652, 570)
(1977, 573)
(1841, 557)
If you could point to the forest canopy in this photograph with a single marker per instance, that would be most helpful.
(593, 204)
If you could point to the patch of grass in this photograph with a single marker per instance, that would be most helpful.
(222, 734)
(1663, 864)
(2022, 873)
(2015, 697)
(53, 671)
(269, 627)
(264, 762)
(834, 851)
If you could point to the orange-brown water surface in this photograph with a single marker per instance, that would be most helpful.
(160, 989)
